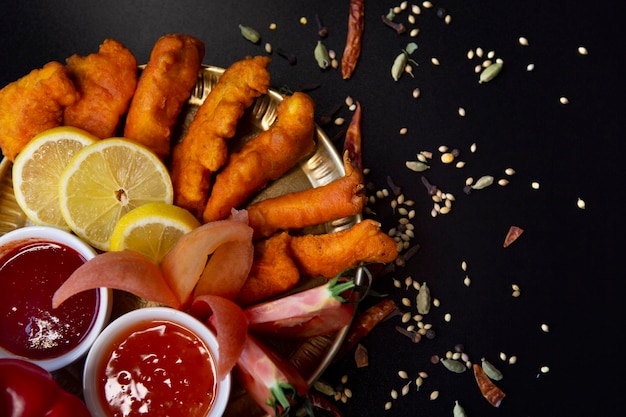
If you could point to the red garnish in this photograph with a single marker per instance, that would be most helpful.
(512, 235)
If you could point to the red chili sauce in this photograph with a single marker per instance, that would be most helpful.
(157, 368)
(31, 270)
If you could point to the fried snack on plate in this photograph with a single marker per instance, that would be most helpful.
(32, 104)
(273, 270)
(340, 198)
(106, 81)
(329, 254)
(163, 88)
(265, 157)
(203, 149)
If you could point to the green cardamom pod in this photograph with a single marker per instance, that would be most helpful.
(454, 365)
(458, 410)
(398, 66)
(423, 299)
(321, 55)
(491, 371)
(490, 72)
(250, 34)
(483, 182)
(416, 166)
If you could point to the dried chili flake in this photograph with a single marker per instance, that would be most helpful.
(355, 35)
(512, 235)
(490, 391)
(361, 358)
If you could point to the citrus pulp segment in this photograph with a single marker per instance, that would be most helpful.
(106, 180)
(152, 229)
(36, 172)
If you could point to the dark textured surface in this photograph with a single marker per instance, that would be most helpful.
(565, 262)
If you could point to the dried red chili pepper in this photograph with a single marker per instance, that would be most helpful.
(353, 42)
(364, 323)
(317, 400)
(490, 391)
(512, 235)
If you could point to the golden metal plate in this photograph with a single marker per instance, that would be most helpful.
(322, 166)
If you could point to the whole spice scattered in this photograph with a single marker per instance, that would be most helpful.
(488, 389)
(354, 38)
(416, 166)
(400, 62)
(321, 55)
(291, 58)
(491, 371)
(458, 410)
(398, 27)
(512, 235)
(423, 299)
(250, 34)
(411, 334)
(483, 182)
(361, 357)
(322, 31)
(364, 323)
(453, 365)
(490, 72)
(432, 189)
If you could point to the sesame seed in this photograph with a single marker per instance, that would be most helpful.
(388, 405)
(349, 101)
(404, 5)
(447, 19)
(503, 356)
(512, 360)
(464, 266)
(544, 369)
(411, 19)
(394, 394)
(467, 281)
(503, 182)
(436, 302)
(470, 54)
(491, 54)
(443, 148)
(460, 164)
(479, 52)
(332, 54)
(339, 121)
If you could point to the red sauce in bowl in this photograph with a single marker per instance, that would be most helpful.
(31, 270)
(157, 368)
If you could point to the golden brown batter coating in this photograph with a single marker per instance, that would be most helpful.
(106, 82)
(203, 150)
(163, 88)
(265, 157)
(32, 104)
(329, 254)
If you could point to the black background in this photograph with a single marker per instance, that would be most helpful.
(566, 260)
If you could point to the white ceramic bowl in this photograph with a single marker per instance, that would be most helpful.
(116, 330)
(51, 234)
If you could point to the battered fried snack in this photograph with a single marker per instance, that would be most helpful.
(203, 150)
(106, 82)
(164, 86)
(329, 254)
(32, 104)
(341, 198)
(265, 157)
(273, 270)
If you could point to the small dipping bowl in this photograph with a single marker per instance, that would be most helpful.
(155, 361)
(34, 262)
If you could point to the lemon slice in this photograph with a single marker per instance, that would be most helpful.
(36, 172)
(106, 180)
(152, 229)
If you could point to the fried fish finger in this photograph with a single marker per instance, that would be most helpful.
(329, 254)
(163, 88)
(106, 82)
(32, 104)
(273, 270)
(265, 157)
(203, 150)
(341, 198)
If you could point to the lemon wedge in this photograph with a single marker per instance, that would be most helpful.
(152, 229)
(106, 180)
(36, 172)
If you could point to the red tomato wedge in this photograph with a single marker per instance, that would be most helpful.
(123, 270)
(229, 323)
(183, 265)
(273, 382)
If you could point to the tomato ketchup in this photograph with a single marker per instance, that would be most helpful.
(31, 270)
(156, 368)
